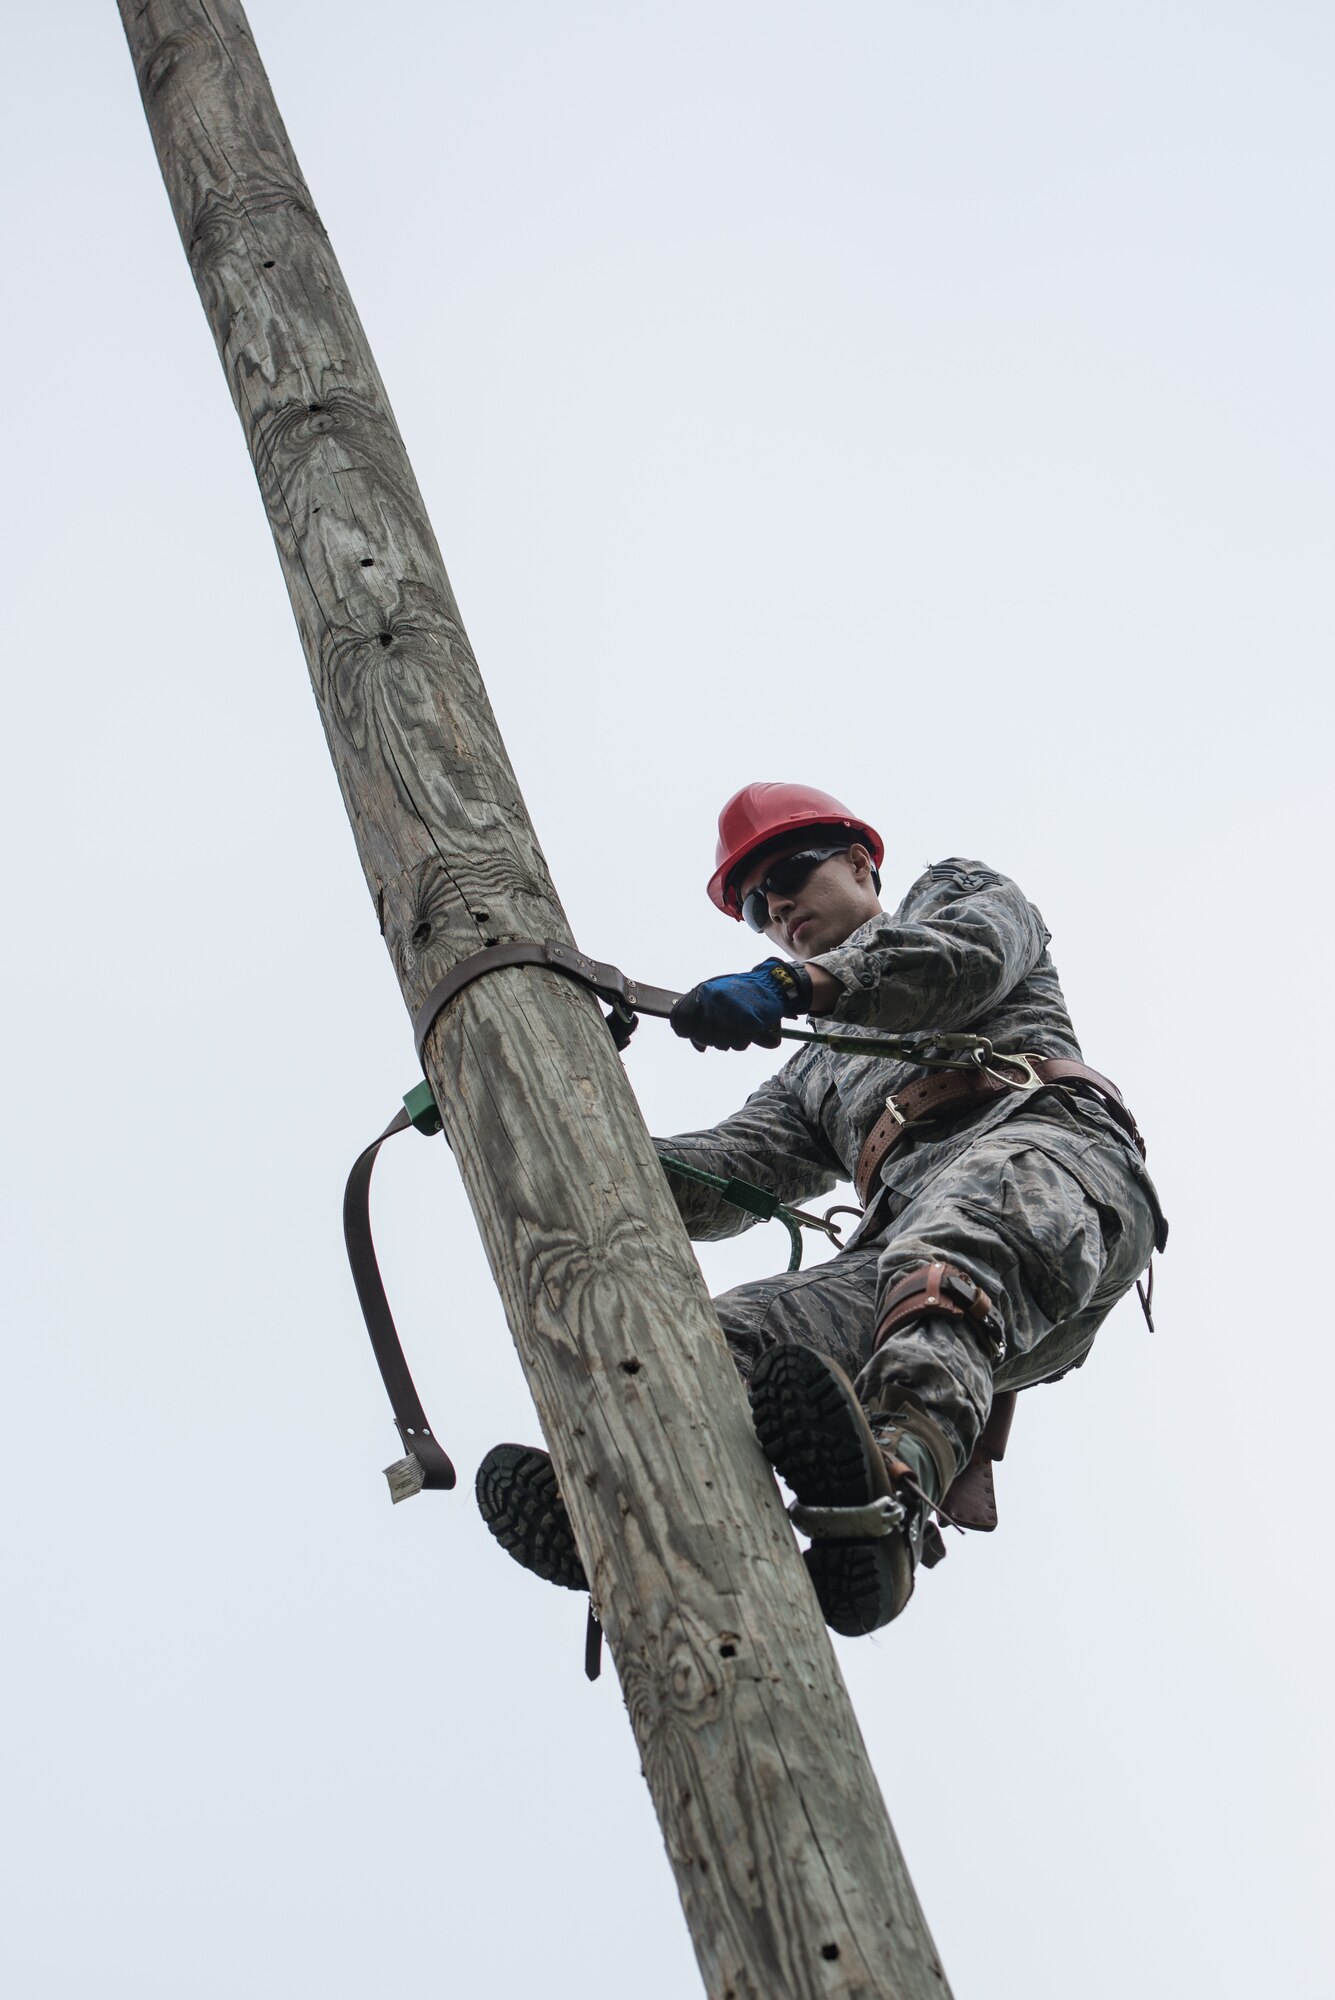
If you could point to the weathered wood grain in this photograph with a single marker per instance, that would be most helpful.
(789, 1873)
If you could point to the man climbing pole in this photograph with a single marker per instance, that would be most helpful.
(1007, 1207)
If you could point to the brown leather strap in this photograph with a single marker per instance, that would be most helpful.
(949, 1091)
(409, 1417)
(609, 982)
(593, 1645)
(432, 1467)
(939, 1287)
(972, 1499)
(997, 1430)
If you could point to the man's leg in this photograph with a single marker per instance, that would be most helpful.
(830, 1307)
(1010, 1219)
(1002, 1267)
(1016, 1222)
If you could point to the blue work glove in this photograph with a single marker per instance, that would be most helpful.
(743, 1007)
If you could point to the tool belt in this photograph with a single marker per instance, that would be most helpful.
(947, 1092)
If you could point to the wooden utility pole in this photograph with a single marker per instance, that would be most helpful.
(790, 1876)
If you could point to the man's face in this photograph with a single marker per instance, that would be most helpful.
(823, 909)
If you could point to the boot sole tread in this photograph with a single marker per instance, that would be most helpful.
(860, 1586)
(812, 1431)
(808, 1431)
(518, 1498)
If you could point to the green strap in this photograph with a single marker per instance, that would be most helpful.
(755, 1201)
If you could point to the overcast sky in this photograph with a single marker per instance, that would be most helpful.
(931, 402)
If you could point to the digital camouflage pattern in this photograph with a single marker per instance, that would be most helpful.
(1043, 1200)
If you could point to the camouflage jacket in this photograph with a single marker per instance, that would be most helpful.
(964, 950)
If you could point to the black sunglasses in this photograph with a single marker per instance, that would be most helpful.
(785, 878)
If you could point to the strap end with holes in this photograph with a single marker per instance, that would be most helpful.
(426, 1466)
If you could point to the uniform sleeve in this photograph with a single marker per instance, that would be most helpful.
(770, 1141)
(960, 941)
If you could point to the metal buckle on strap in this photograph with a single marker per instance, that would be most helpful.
(974, 1303)
(894, 1111)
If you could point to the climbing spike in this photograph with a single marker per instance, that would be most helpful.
(849, 1524)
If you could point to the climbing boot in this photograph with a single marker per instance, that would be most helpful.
(823, 1444)
(520, 1502)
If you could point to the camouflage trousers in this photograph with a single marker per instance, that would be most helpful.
(1055, 1241)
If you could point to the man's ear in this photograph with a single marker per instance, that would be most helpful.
(864, 868)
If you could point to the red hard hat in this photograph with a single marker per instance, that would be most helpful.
(759, 814)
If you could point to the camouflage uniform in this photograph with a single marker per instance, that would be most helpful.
(1042, 1199)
